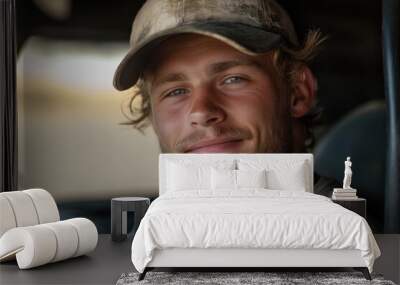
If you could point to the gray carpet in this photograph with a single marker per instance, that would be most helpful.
(228, 278)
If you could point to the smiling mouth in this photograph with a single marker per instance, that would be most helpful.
(227, 146)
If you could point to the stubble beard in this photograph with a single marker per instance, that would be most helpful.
(281, 128)
(279, 137)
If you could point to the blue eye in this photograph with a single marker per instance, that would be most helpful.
(175, 92)
(233, 79)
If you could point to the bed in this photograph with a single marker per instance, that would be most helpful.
(246, 211)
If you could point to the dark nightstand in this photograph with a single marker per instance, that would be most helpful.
(358, 205)
(119, 208)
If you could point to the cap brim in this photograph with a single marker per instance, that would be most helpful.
(247, 39)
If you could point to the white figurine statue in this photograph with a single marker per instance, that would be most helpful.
(347, 174)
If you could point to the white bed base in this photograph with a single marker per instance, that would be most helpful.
(238, 257)
(241, 258)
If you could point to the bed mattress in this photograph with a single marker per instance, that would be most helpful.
(251, 218)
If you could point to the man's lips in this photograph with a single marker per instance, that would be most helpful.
(215, 146)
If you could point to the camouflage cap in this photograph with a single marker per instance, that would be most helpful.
(251, 26)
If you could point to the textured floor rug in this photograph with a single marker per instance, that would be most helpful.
(229, 278)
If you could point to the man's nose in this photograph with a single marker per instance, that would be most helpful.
(205, 109)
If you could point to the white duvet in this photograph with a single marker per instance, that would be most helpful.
(250, 218)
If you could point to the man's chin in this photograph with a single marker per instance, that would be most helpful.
(224, 151)
(228, 147)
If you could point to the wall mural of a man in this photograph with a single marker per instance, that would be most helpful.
(222, 76)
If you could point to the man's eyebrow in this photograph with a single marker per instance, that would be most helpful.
(212, 69)
(225, 65)
(172, 77)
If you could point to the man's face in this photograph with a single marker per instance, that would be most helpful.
(208, 97)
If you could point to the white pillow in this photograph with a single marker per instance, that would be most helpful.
(227, 179)
(251, 178)
(281, 174)
(223, 179)
(292, 179)
(185, 174)
(181, 178)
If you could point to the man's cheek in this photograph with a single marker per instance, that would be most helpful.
(256, 121)
(168, 130)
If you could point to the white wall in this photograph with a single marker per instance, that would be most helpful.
(70, 140)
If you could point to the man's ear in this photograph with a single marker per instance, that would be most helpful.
(303, 97)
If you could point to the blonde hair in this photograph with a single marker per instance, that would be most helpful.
(287, 62)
